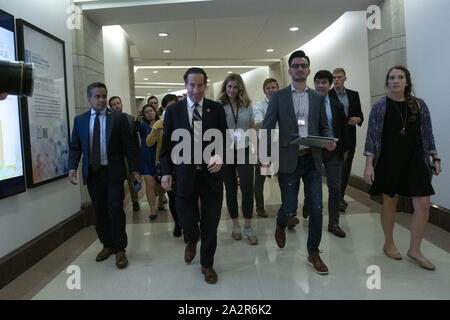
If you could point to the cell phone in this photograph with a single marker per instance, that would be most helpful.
(137, 185)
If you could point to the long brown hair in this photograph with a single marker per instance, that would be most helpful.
(411, 101)
(243, 99)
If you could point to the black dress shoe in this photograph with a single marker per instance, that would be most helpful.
(305, 211)
(338, 232)
(136, 206)
(153, 216)
(293, 221)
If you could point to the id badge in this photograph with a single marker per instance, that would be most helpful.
(301, 122)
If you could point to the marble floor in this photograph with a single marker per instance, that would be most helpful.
(157, 269)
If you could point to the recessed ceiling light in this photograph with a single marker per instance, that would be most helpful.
(163, 34)
(156, 71)
(293, 29)
(168, 90)
(230, 72)
(167, 51)
(270, 50)
(145, 79)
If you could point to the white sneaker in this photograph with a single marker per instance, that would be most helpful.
(236, 233)
(249, 234)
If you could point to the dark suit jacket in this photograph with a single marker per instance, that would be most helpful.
(118, 141)
(354, 110)
(281, 109)
(176, 117)
(340, 127)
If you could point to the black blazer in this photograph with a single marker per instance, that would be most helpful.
(176, 117)
(118, 141)
(340, 127)
(354, 110)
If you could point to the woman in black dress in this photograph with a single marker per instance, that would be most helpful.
(400, 151)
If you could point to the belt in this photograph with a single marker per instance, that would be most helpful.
(198, 167)
(304, 152)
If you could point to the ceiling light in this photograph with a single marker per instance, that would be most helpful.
(293, 29)
(163, 34)
(230, 72)
(156, 71)
(270, 50)
(167, 51)
(145, 79)
(168, 90)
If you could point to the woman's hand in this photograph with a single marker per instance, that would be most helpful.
(369, 174)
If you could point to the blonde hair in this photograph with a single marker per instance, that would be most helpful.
(339, 70)
(243, 99)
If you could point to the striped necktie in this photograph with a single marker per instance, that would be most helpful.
(196, 115)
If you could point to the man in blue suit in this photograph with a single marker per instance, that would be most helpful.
(194, 181)
(300, 110)
(103, 138)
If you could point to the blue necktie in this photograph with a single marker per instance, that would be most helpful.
(95, 156)
(196, 115)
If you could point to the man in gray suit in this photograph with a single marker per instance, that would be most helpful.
(300, 110)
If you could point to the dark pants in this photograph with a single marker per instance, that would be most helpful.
(346, 169)
(259, 187)
(130, 180)
(211, 208)
(107, 200)
(289, 186)
(333, 168)
(245, 172)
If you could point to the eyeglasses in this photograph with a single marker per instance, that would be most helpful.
(303, 66)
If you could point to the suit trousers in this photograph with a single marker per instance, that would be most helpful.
(290, 185)
(188, 215)
(133, 194)
(346, 170)
(259, 187)
(245, 172)
(107, 200)
(333, 169)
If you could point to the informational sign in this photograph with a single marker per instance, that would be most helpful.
(45, 114)
(12, 180)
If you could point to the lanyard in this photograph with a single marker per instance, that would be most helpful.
(235, 116)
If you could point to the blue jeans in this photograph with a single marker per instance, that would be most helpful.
(289, 187)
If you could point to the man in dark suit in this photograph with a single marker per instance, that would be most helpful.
(300, 111)
(195, 179)
(352, 108)
(103, 138)
(115, 103)
(333, 160)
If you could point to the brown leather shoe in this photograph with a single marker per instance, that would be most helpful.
(104, 254)
(210, 275)
(121, 260)
(189, 252)
(338, 232)
(317, 263)
(261, 213)
(280, 237)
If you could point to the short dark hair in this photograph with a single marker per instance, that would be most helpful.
(112, 98)
(195, 71)
(95, 85)
(324, 74)
(167, 98)
(298, 54)
(154, 109)
(152, 97)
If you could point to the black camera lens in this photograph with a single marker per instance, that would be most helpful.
(16, 78)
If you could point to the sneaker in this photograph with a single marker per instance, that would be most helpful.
(251, 238)
(236, 233)
(338, 232)
(261, 213)
(293, 221)
(317, 263)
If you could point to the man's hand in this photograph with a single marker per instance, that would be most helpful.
(353, 121)
(3, 95)
(330, 145)
(73, 177)
(137, 177)
(166, 182)
(215, 164)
